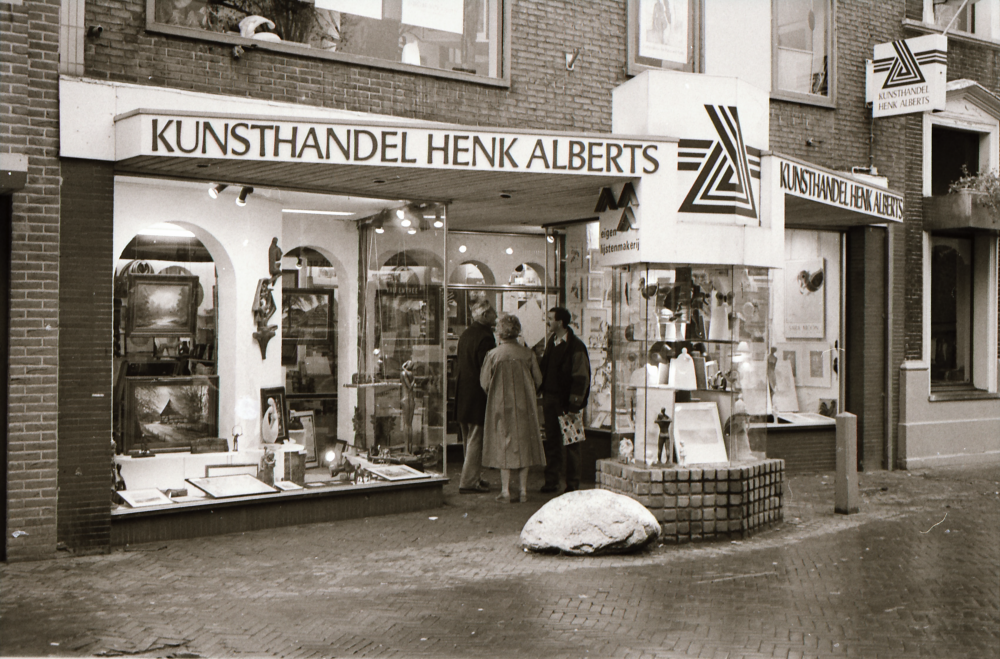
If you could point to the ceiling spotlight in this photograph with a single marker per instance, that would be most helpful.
(505, 195)
(299, 263)
(411, 231)
(438, 224)
(510, 250)
(462, 249)
(244, 193)
(215, 189)
(400, 213)
(377, 223)
(550, 238)
(405, 223)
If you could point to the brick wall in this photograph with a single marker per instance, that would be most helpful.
(542, 94)
(29, 126)
(86, 263)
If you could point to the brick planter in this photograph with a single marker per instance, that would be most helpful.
(693, 504)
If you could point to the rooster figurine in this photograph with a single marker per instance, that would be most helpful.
(810, 282)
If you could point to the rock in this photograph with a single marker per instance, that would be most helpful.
(590, 522)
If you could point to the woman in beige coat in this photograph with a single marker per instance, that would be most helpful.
(510, 377)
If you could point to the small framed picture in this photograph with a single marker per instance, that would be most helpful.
(595, 287)
(815, 369)
(146, 497)
(594, 260)
(274, 397)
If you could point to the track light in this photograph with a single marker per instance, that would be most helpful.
(215, 189)
(299, 263)
(244, 193)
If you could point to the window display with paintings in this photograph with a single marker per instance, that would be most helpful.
(690, 347)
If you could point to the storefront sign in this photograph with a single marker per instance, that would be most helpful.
(829, 188)
(418, 147)
(909, 76)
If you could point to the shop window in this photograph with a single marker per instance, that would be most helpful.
(980, 18)
(664, 34)
(166, 387)
(802, 51)
(309, 333)
(445, 36)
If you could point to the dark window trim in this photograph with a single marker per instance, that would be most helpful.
(945, 393)
(288, 48)
(634, 67)
(828, 101)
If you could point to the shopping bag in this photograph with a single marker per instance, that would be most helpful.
(571, 425)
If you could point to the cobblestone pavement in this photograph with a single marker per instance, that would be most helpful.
(915, 574)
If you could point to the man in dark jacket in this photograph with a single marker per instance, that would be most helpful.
(565, 388)
(470, 399)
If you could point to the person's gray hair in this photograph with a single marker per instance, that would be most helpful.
(479, 307)
(508, 327)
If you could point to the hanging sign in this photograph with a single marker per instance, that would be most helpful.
(909, 76)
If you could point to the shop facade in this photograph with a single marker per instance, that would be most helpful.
(355, 320)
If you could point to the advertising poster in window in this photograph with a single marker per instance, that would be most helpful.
(805, 299)
(663, 30)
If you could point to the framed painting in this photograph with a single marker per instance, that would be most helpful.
(595, 288)
(275, 396)
(698, 433)
(170, 413)
(664, 34)
(234, 485)
(249, 468)
(146, 497)
(307, 315)
(395, 472)
(162, 305)
(815, 369)
(302, 429)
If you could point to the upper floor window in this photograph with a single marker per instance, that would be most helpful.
(456, 36)
(664, 34)
(977, 17)
(803, 49)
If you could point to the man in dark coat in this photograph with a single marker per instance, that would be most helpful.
(565, 388)
(470, 399)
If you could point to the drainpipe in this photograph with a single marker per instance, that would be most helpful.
(890, 445)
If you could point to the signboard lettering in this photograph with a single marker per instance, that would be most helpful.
(834, 190)
(344, 144)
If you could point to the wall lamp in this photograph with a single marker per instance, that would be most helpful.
(571, 59)
(244, 193)
(215, 189)
(95, 31)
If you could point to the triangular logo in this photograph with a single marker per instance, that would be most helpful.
(606, 202)
(723, 183)
(904, 70)
(627, 221)
(628, 196)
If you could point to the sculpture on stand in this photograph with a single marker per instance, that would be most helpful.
(739, 438)
(407, 402)
(263, 304)
(663, 421)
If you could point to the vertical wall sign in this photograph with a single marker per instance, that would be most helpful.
(909, 76)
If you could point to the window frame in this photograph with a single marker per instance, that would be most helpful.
(290, 48)
(927, 18)
(828, 101)
(636, 64)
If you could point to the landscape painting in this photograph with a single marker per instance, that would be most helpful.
(162, 305)
(170, 413)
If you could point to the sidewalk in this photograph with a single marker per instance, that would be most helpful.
(914, 574)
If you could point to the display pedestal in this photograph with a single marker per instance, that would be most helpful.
(708, 503)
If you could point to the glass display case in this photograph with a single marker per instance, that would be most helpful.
(692, 367)
(400, 380)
